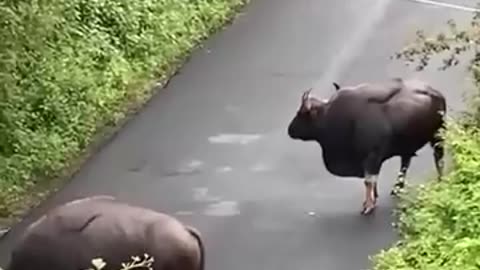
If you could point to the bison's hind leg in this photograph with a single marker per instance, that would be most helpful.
(437, 144)
(402, 174)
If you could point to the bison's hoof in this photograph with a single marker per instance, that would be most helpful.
(397, 189)
(4, 232)
(368, 209)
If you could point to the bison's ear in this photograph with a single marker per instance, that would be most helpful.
(336, 85)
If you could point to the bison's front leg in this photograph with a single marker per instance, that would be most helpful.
(372, 165)
(371, 194)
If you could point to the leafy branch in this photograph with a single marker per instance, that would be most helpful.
(136, 263)
(454, 42)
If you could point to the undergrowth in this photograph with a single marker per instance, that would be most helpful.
(70, 68)
(440, 223)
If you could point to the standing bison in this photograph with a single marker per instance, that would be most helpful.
(362, 126)
(71, 235)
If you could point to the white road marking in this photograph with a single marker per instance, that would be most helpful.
(194, 164)
(234, 138)
(447, 5)
(260, 167)
(353, 45)
(223, 209)
(201, 194)
(224, 169)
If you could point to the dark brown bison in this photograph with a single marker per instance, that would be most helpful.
(71, 235)
(361, 126)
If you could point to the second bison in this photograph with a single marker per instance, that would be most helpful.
(71, 235)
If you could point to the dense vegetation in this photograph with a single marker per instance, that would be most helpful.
(440, 221)
(68, 68)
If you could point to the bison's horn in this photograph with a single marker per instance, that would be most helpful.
(336, 85)
(307, 93)
(305, 98)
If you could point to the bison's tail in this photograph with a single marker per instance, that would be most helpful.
(438, 99)
(437, 96)
(196, 234)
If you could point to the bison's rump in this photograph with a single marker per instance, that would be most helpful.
(73, 234)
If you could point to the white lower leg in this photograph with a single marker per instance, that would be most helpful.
(440, 164)
(370, 184)
(400, 183)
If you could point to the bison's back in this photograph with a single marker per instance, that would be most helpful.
(72, 235)
(410, 107)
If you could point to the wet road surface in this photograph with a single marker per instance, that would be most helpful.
(212, 148)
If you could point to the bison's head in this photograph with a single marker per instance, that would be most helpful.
(307, 122)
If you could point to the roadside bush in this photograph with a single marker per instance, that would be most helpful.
(440, 221)
(441, 224)
(68, 68)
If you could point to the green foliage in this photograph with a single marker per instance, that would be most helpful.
(440, 222)
(69, 67)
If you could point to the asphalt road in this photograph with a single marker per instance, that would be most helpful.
(212, 148)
